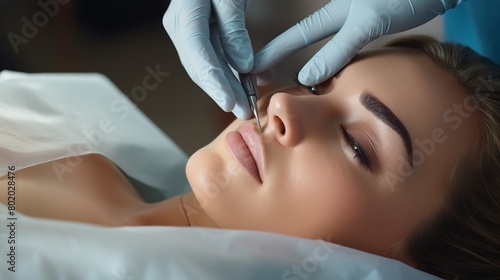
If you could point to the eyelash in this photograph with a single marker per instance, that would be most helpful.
(357, 150)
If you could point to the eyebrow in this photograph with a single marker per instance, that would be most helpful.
(379, 110)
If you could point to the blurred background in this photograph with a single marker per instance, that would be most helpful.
(121, 39)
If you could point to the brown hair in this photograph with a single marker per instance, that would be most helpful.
(462, 241)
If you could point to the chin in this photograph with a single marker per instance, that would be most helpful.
(206, 171)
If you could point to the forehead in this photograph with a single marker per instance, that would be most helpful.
(420, 93)
(409, 83)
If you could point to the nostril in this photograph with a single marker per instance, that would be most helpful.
(278, 123)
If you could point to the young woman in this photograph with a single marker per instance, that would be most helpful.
(397, 155)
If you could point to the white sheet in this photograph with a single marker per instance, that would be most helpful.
(44, 117)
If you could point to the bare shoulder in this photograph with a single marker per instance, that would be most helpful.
(93, 191)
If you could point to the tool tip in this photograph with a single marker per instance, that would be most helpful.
(260, 127)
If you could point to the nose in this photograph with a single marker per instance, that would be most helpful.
(290, 117)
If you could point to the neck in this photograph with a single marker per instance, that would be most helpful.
(183, 210)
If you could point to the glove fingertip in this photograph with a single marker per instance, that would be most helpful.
(319, 69)
(245, 64)
(308, 76)
(241, 59)
(242, 113)
(225, 102)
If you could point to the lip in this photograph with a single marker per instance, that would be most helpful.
(246, 146)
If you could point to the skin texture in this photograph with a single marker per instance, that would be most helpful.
(312, 183)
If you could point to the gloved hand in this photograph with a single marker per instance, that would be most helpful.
(208, 35)
(357, 22)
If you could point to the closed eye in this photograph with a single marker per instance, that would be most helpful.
(357, 150)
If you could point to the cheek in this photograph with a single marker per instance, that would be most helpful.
(319, 196)
(199, 169)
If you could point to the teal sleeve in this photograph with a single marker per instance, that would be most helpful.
(475, 23)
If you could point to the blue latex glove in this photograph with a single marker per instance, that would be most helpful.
(356, 22)
(209, 35)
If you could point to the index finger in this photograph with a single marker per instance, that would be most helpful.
(197, 53)
(315, 27)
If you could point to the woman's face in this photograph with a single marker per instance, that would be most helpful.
(358, 160)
